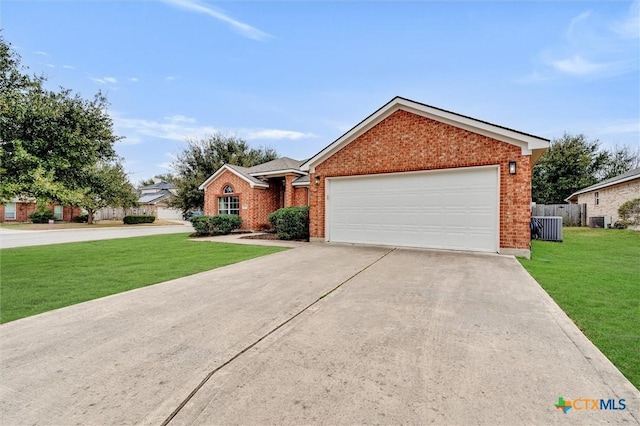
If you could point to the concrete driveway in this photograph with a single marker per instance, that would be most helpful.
(18, 238)
(318, 334)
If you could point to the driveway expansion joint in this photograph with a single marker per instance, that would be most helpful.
(253, 345)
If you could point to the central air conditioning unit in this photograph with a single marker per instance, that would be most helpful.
(548, 228)
(600, 222)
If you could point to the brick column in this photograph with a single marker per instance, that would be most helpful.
(288, 190)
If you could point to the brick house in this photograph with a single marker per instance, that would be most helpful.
(604, 198)
(255, 192)
(408, 175)
(19, 211)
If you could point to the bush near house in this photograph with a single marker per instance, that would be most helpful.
(218, 224)
(630, 212)
(81, 218)
(291, 223)
(132, 220)
(41, 216)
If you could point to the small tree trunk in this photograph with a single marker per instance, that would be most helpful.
(89, 216)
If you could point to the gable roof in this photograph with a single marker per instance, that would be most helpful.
(624, 177)
(530, 144)
(159, 185)
(155, 197)
(251, 174)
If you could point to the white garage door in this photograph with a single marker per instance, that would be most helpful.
(169, 214)
(453, 209)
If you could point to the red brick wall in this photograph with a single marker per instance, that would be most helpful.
(300, 196)
(23, 210)
(259, 201)
(406, 142)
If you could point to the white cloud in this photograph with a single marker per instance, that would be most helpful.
(41, 53)
(104, 80)
(51, 65)
(245, 30)
(180, 128)
(170, 78)
(575, 22)
(180, 119)
(577, 65)
(592, 47)
(619, 126)
(274, 134)
(129, 141)
(629, 27)
(69, 67)
(133, 79)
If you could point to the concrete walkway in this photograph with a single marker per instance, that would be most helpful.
(320, 334)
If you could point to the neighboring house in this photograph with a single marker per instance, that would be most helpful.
(603, 199)
(254, 192)
(19, 210)
(408, 175)
(155, 200)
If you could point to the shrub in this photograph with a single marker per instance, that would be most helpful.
(630, 212)
(226, 223)
(218, 224)
(201, 224)
(81, 218)
(291, 223)
(41, 216)
(132, 220)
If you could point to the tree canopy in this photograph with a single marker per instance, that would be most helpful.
(51, 142)
(203, 157)
(573, 162)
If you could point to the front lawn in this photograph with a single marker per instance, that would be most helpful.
(42, 278)
(594, 275)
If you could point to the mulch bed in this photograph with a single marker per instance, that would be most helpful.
(261, 237)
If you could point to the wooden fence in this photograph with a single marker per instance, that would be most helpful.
(572, 214)
(109, 213)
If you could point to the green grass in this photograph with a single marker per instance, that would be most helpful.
(39, 279)
(594, 275)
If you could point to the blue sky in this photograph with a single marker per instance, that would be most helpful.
(295, 75)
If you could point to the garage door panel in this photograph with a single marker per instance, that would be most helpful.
(455, 209)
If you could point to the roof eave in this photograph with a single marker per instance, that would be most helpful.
(278, 172)
(235, 172)
(598, 186)
(530, 145)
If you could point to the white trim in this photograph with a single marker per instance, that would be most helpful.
(596, 187)
(300, 184)
(278, 172)
(226, 167)
(15, 211)
(530, 145)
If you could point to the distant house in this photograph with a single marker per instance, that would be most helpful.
(156, 200)
(19, 210)
(604, 198)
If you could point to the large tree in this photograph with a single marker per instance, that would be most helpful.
(50, 141)
(203, 157)
(107, 186)
(573, 162)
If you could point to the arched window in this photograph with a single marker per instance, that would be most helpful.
(229, 204)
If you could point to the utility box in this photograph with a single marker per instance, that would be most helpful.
(600, 222)
(549, 227)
